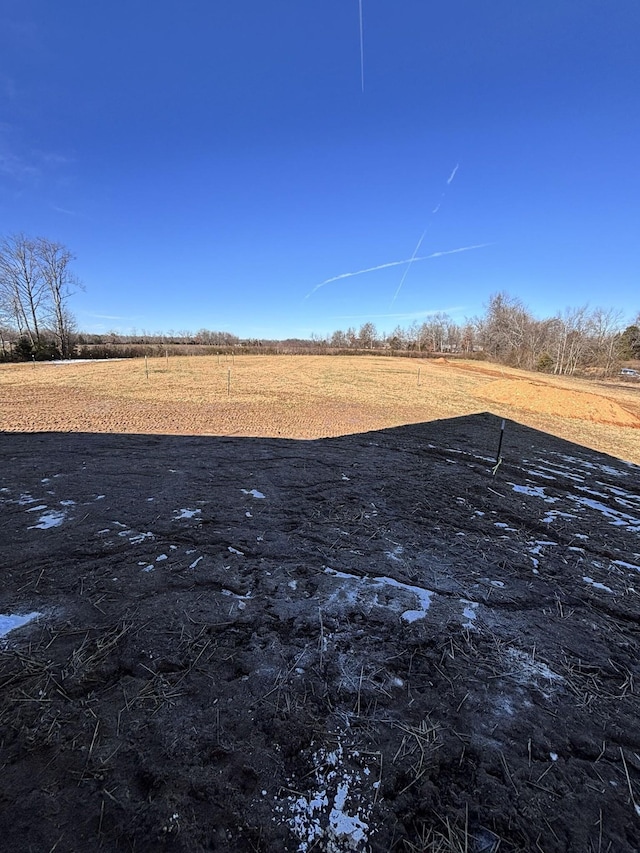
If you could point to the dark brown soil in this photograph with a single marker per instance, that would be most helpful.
(359, 643)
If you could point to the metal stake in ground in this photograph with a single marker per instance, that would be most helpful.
(499, 453)
(146, 365)
(228, 382)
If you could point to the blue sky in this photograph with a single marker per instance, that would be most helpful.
(211, 163)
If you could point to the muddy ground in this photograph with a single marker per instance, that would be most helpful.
(358, 643)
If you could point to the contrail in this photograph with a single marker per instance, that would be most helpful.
(435, 210)
(396, 264)
(406, 272)
(454, 251)
(361, 47)
(449, 180)
(358, 272)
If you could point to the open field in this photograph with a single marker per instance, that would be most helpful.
(309, 397)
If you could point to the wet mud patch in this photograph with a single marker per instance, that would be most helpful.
(360, 643)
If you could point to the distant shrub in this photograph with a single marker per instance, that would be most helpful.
(545, 363)
(23, 350)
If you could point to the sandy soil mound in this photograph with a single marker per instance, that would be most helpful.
(561, 402)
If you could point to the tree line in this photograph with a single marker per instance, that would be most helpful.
(577, 339)
(36, 283)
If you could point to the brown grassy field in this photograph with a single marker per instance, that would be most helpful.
(309, 397)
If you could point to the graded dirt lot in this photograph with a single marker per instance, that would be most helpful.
(309, 397)
(375, 641)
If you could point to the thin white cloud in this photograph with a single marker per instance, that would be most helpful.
(103, 316)
(52, 158)
(63, 210)
(358, 272)
(415, 251)
(361, 47)
(455, 251)
(406, 272)
(13, 164)
(395, 264)
(15, 167)
(23, 164)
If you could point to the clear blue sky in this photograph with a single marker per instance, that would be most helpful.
(210, 162)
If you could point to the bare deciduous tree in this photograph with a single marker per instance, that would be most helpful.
(577, 339)
(367, 336)
(21, 284)
(506, 330)
(54, 260)
(35, 285)
(571, 333)
(339, 339)
(398, 338)
(606, 325)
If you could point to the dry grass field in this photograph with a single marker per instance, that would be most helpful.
(309, 397)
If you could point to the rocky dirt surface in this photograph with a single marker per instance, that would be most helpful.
(368, 642)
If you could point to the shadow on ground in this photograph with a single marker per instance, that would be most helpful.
(365, 642)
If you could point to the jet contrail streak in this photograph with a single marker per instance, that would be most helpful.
(361, 47)
(359, 272)
(435, 210)
(406, 272)
(454, 251)
(395, 264)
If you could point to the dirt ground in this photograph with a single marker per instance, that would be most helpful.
(310, 397)
(364, 642)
